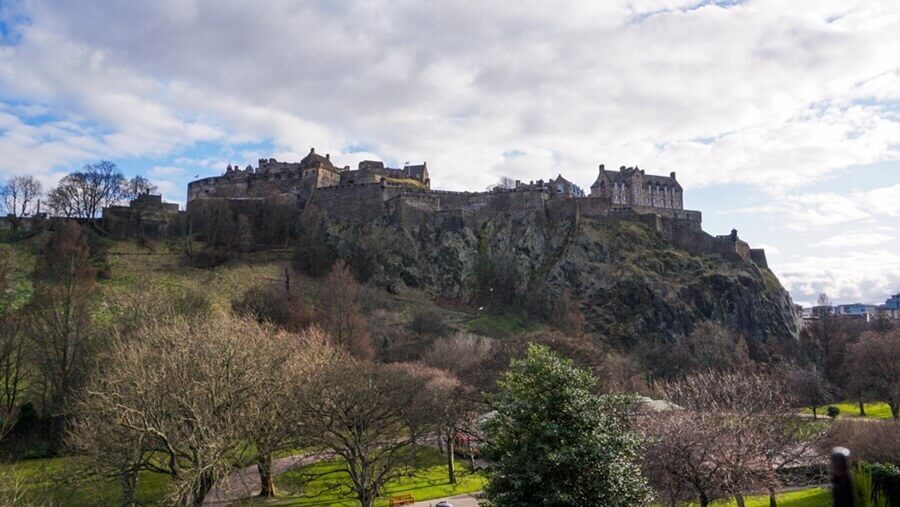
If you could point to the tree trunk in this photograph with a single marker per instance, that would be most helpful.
(128, 481)
(772, 501)
(204, 484)
(451, 464)
(814, 414)
(366, 500)
(739, 499)
(266, 483)
(895, 410)
(704, 501)
(862, 408)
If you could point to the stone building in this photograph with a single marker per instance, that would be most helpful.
(301, 178)
(374, 171)
(631, 186)
(557, 188)
(147, 215)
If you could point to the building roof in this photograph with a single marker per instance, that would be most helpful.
(313, 159)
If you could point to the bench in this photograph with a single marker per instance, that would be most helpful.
(401, 500)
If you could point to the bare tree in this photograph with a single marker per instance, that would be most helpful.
(735, 431)
(62, 201)
(809, 386)
(140, 209)
(180, 398)
(59, 315)
(20, 195)
(83, 194)
(13, 367)
(287, 362)
(505, 182)
(876, 366)
(365, 414)
(343, 316)
(680, 456)
(824, 342)
(451, 407)
(458, 352)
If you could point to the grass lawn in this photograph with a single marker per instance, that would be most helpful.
(428, 481)
(878, 410)
(816, 497)
(501, 325)
(53, 481)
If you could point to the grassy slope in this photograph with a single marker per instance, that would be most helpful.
(54, 482)
(21, 261)
(877, 410)
(816, 497)
(428, 482)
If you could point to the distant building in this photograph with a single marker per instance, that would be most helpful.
(857, 310)
(146, 215)
(893, 303)
(631, 186)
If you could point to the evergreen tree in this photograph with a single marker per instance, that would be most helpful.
(553, 442)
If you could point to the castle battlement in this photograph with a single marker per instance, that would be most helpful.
(374, 192)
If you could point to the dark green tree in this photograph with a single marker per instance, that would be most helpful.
(553, 442)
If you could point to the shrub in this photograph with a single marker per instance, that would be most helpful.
(886, 480)
(868, 493)
(264, 304)
(313, 258)
(427, 320)
(872, 442)
(458, 353)
(833, 411)
(192, 303)
(209, 258)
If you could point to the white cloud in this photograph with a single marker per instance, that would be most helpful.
(766, 96)
(857, 239)
(868, 276)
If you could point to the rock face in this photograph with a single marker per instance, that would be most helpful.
(632, 284)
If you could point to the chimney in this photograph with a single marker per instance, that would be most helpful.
(622, 168)
(672, 175)
(312, 151)
(328, 156)
(602, 167)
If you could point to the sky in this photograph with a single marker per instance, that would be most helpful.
(781, 119)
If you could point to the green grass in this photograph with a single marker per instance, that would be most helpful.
(21, 264)
(55, 481)
(815, 497)
(497, 325)
(428, 481)
(877, 410)
(163, 267)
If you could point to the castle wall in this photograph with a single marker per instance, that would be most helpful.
(353, 203)
(758, 256)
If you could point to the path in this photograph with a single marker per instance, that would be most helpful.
(469, 500)
(245, 482)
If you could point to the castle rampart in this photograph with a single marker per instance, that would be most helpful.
(374, 192)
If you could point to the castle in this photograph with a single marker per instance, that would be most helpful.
(301, 178)
(375, 192)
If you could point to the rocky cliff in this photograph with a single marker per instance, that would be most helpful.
(632, 284)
